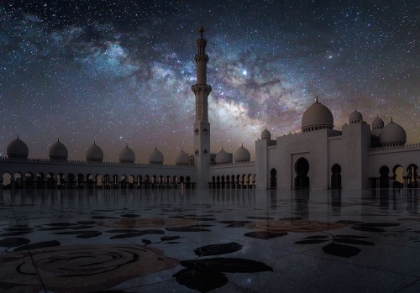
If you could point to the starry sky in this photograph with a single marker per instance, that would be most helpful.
(120, 72)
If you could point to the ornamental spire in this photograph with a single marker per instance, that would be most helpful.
(201, 30)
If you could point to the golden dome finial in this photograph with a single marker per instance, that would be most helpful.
(201, 30)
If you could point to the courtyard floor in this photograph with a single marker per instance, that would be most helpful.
(201, 241)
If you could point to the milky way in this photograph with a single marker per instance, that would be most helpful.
(120, 72)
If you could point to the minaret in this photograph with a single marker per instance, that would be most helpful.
(201, 126)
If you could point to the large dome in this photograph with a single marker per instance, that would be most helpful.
(58, 151)
(17, 149)
(241, 155)
(317, 117)
(392, 135)
(355, 117)
(156, 157)
(94, 154)
(127, 155)
(182, 159)
(222, 157)
(265, 134)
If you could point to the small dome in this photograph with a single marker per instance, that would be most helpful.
(17, 149)
(182, 159)
(356, 117)
(156, 157)
(242, 155)
(94, 154)
(127, 155)
(392, 135)
(378, 123)
(317, 117)
(265, 134)
(222, 157)
(58, 151)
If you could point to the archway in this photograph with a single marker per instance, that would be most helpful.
(98, 179)
(181, 182)
(139, 181)
(70, 181)
(7, 180)
(336, 176)
(130, 181)
(398, 177)
(40, 180)
(29, 178)
(384, 177)
(18, 180)
(301, 170)
(123, 181)
(273, 179)
(413, 176)
(188, 179)
(147, 183)
(51, 181)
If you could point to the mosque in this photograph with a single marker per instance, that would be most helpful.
(359, 156)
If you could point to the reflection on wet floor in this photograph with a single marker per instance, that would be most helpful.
(200, 241)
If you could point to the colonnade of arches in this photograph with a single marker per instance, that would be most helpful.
(90, 181)
(396, 177)
(233, 182)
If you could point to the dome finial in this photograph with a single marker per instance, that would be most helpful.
(316, 99)
(392, 120)
(201, 30)
(17, 136)
(58, 139)
(94, 142)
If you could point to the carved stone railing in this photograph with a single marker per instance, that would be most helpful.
(400, 147)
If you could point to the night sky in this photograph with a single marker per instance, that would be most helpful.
(120, 71)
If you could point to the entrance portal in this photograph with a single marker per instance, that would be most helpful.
(301, 170)
(384, 177)
(336, 177)
(273, 179)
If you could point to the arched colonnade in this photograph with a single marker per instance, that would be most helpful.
(244, 181)
(396, 176)
(51, 180)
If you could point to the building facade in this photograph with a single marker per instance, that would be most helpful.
(358, 156)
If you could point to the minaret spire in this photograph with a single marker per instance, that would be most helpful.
(201, 30)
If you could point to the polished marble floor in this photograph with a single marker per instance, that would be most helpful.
(201, 241)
